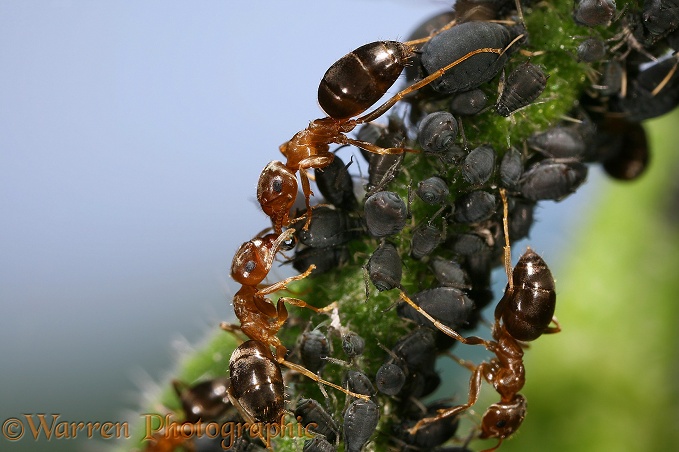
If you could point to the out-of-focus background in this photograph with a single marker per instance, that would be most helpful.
(132, 135)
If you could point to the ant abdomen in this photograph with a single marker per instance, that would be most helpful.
(256, 382)
(360, 78)
(527, 308)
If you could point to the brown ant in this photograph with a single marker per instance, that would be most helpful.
(348, 88)
(161, 442)
(260, 320)
(523, 314)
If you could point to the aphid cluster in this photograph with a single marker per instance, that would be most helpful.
(416, 238)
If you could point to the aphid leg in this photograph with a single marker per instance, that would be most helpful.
(507, 247)
(304, 371)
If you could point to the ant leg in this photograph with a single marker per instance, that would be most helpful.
(553, 329)
(370, 147)
(474, 387)
(300, 303)
(464, 363)
(306, 190)
(507, 247)
(303, 370)
(499, 441)
(415, 42)
(232, 328)
(280, 285)
(666, 79)
(471, 340)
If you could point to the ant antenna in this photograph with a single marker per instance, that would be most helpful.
(507, 247)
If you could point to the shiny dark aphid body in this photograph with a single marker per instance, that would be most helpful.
(469, 103)
(591, 50)
(559, 142)
(324, 259)
(479, 165)
(523, 85)
(552, 179)
(385, 213)
(459, 40)
(592, 13)
(389, 379)
(313, 413)
(328, 227)
(511, 168)
(447, 304)
(425, 240)
(360, 421)
(358, 382)
(382, 168)
(660, 16)
(474, 207)
(437, 132)
(335, 184)
(384, 267)
(314, 349)
(353, 344)
(433, 190)
(528, 307)
(256, 383)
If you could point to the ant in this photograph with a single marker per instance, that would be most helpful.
(523, 314)
(348, 88)
(260, 320)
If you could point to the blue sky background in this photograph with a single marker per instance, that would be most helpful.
(132, 134)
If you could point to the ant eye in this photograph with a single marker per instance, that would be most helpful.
(278, 185)
(250, 266)
(500, 424)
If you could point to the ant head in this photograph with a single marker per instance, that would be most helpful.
(249, 263)
(277, 191)
(502, 419)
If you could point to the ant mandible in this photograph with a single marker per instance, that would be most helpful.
(259, 319)
(523, 314)
(348, 88)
